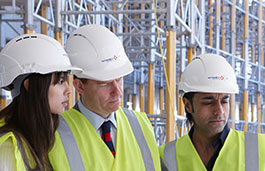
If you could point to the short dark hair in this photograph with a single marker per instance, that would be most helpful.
(189, 96)
(84, 80)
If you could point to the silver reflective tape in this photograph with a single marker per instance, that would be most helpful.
(251, 152)
(136, 128)
(170, 156)
(70, 146)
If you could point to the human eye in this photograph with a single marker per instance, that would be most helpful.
(225, 101)
(106, 84)
(61, 81)
(207, 102)
(103, 85)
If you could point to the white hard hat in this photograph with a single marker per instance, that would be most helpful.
(98, 52)
(32, 53)
(209, 73)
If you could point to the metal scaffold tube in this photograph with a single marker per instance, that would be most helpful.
(29, 23)
(141, 97)
(170, 93)
(246, 57)
(233, 52)
(151, 88)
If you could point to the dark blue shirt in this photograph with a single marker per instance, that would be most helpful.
(217, 145)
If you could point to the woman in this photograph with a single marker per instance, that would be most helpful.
(34, 67)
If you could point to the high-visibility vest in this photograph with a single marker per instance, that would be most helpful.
(20, 165)
(242, 151)
(79, 147)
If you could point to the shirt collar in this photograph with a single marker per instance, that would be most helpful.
(95, 119)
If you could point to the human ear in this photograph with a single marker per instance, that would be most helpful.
(187, 105)
(79, 86)
(26, 84)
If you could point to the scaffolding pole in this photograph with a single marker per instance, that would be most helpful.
(151, 88)
(246, 57)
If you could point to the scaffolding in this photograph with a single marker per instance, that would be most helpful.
(155, 32)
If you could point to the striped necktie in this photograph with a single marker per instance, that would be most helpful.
(106, 136)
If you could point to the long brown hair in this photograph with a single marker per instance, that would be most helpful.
(29, 117)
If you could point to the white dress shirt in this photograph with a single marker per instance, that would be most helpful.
(96, 121)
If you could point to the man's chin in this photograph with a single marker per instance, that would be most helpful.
(115, 107)
(217, 130)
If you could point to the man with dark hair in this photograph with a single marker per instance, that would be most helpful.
(206, 86)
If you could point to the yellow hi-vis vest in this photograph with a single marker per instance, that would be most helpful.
(79, 147)
(242, 151)
(20, 165)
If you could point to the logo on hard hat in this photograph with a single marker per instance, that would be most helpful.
(114, 58)
(218, 78)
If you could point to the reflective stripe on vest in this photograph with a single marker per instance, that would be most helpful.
(251, 153)
(70, 146)
(20, 149)
(136, 128)
(170, 156)
(24, 157)
(72, 151)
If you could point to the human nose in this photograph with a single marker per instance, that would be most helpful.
(219, 110)
(117, 87)
(67, 89)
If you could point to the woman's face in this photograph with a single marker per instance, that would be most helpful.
(58, 94)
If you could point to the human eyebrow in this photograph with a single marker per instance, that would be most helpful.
(226, 97)
(101, 82)
(207, 98)
(212, 97)
(118, 79)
